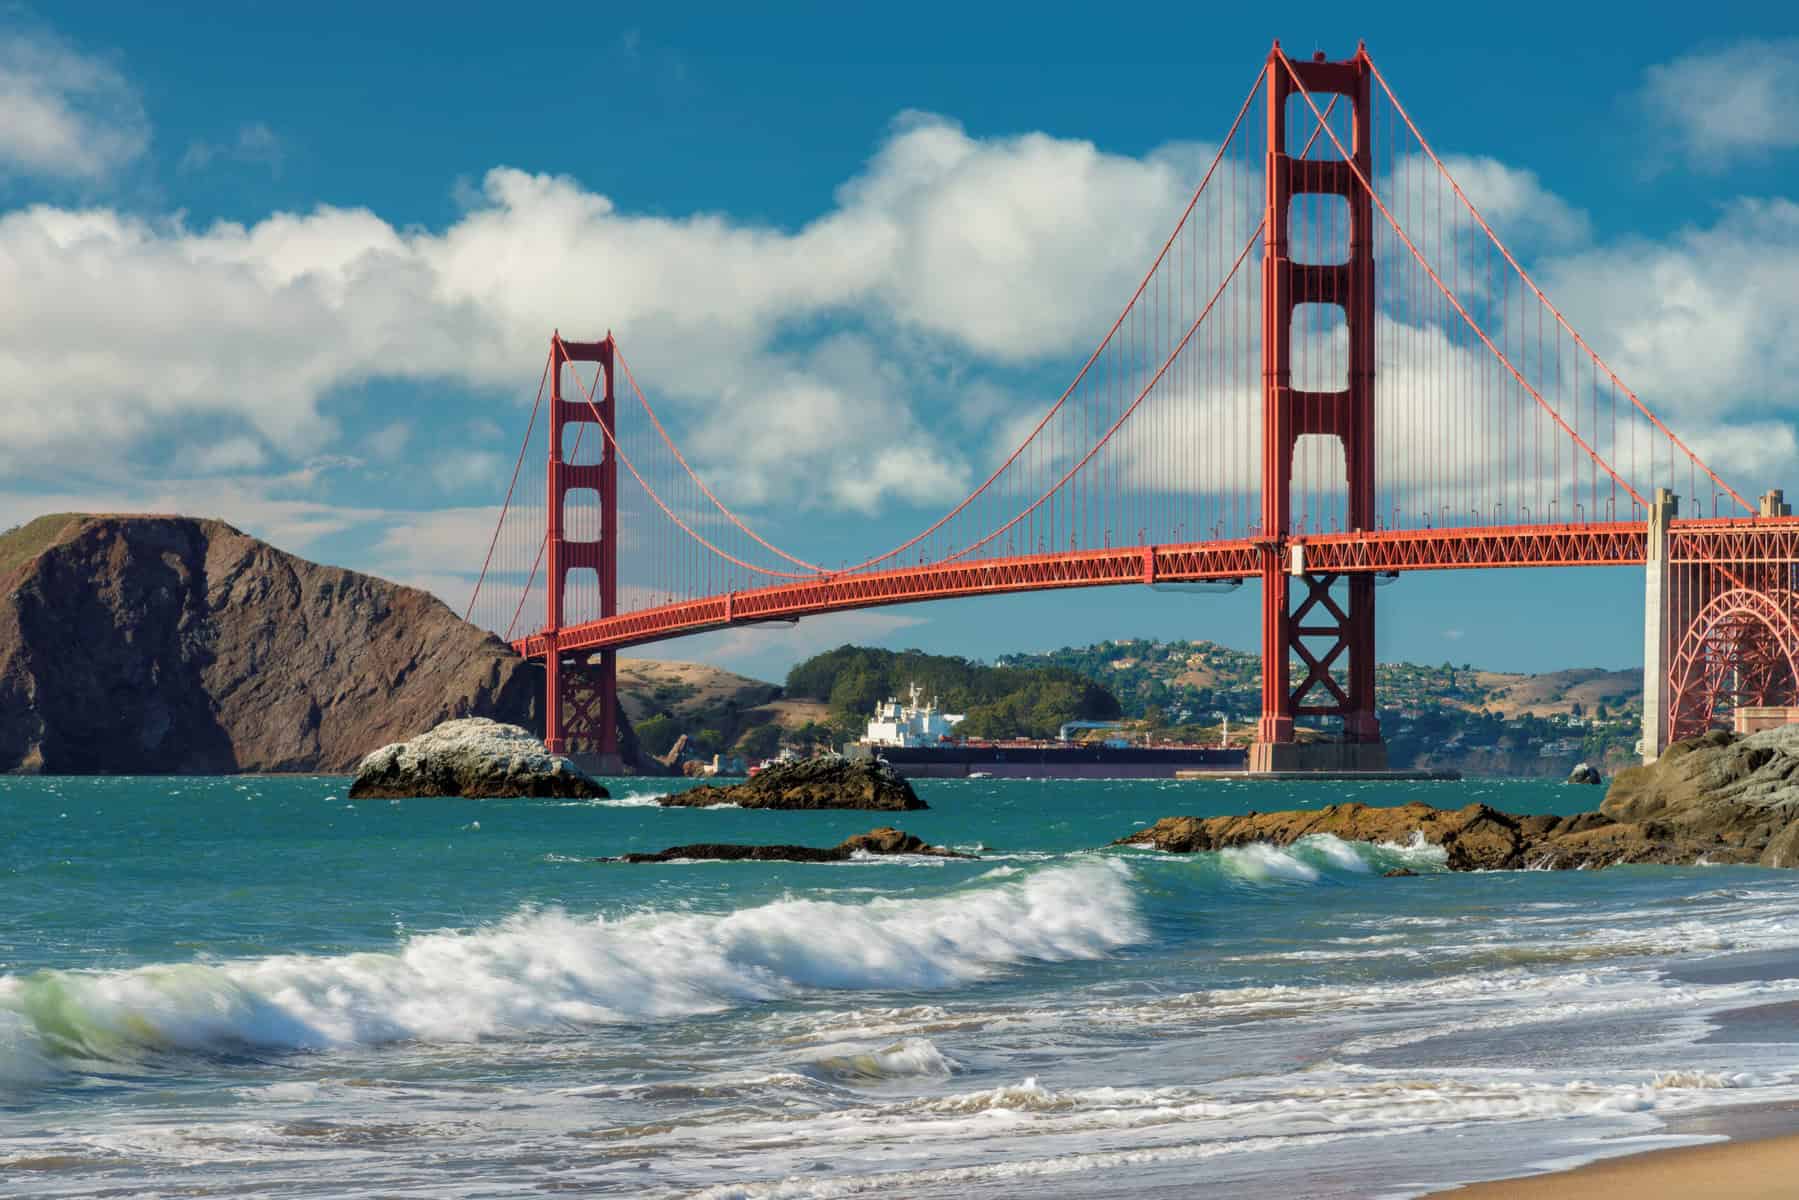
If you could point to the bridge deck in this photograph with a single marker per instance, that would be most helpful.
(1617, 543)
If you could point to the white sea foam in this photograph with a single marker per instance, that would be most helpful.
(1317, 855)
(628, 800)
(909, 1058)
(550, 969)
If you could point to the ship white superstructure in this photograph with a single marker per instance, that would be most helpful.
(912, 723)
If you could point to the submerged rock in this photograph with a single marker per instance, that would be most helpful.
(828, 782)
(1584, 773)
(473, 757)
(884, 840)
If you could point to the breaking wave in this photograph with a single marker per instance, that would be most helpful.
(544, 970)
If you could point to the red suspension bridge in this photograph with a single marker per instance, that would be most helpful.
(1333, 370)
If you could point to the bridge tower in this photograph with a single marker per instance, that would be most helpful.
(581, 691)
(1320, 618)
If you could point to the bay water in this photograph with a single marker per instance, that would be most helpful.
(252, 986)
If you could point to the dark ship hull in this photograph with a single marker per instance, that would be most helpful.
(1052, 760)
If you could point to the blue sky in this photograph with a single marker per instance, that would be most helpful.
(294, 266)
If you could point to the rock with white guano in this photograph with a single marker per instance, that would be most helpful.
(472, 757)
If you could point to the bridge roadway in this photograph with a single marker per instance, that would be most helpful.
(1604, 544)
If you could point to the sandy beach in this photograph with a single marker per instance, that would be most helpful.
(1763, 1169)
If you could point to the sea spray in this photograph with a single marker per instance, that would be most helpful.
(550, 969)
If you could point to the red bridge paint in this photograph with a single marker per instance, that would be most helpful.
(1389, 392)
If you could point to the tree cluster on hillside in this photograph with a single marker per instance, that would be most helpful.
(1441, 715)
(1000, 702)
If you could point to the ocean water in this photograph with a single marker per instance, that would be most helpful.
(252, 987)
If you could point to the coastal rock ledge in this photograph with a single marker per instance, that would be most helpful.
(813, 783)
(473, 757)
(885, 840)
(1718, 799)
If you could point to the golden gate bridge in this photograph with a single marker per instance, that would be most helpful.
(1334, 370)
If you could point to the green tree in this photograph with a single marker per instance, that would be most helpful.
(658, 733)
(760, 741)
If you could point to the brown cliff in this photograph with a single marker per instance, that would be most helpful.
(148, 644)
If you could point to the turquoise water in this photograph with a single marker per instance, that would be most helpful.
(250, 986)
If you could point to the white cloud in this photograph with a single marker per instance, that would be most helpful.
(389, 442)
(1700, 325)
(459, 469)
(63, 114)
(231, 454)
(1006, 250)
(1514, 201)
(254, 144)
(1722, 106)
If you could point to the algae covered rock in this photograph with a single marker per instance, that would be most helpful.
(473, 757)
(814, 783)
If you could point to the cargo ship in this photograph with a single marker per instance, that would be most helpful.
(919, 740)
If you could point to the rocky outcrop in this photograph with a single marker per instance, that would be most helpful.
(828, 782)
(473, 757)
(1475, 838)
(137, 644)
(1585, 773)
(1658, 819)
(884, 840)
(1738, 794)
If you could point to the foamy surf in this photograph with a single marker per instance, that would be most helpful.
(1314, 858)
(550, 969)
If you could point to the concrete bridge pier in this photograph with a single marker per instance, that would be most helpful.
(1658, 640)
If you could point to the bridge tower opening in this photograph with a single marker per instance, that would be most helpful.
(581, 689)
(1323, 620)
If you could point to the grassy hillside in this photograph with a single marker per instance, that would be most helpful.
(22, 543)
(1493, 721)
(1489, 722)
(716, 709)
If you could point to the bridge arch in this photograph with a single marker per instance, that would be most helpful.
(1742, 647)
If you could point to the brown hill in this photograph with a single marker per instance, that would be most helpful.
(150, 644)
(1560, 691)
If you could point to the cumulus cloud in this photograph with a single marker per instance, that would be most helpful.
(1722, 106)
(64, 115)
(1006, 250)
(1515, 202)
(1700, 325)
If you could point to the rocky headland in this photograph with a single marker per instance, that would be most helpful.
(813, 783)
(150, 644)
(473, 757)
(884, 840)
(1718, 799)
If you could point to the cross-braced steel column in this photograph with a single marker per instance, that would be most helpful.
(1289, 413)
(581, 694)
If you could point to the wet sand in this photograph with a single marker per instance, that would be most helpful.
(1766, 1169)
(1760, 1160)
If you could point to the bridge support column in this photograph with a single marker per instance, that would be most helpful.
(581, 695)
(1328, 623)
(1658, 626)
